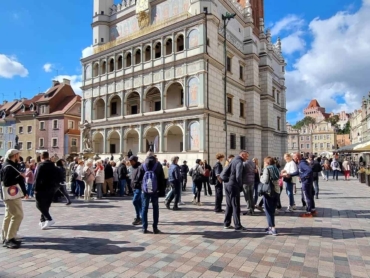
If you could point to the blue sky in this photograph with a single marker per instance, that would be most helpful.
(46, 40)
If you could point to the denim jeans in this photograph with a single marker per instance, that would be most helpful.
(326, 173)
(80, 188)
(176, 196)
(194, 189)
(99, 190)
(270, 204)
(289, 192)
(30, 189)
(137, 203)
(122, 187)
(335, 174)
(146, 198)
(255, 193)
(316, 185)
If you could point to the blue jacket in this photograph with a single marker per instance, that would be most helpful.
(304, 171)
(174, 175)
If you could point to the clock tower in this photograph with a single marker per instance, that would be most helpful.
(101, 21)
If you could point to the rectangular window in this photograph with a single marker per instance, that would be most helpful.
(101, 39)
(293, 145)
(273, 93)
(328, 146)
(1, 145)
(241, 72)
(308, 146)
(328, 136)
(242, 142)
(113, 108)
(29, 145)
(10, 145)
(228, 60)
(133, 109)
(42, 109)
(55, 124)
(278, 97)
(71, 124)
(29, 129)
(20, 130)
(315, 137)
(41, 142)
(74, 142)
(42, 125)
(20, 145)
(242, 110)
(232, 141)
(302, 138)
(10, 130)
(54, 142)
(321, 145)
(229, 105)
(301, 146)
(315, 145)
(293, 137)
(278, 123)
(157, 106)
(308, 138)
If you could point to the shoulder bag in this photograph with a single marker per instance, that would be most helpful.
(11, 192)
(267, 189)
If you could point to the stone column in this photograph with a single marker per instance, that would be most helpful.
(141, 92)
(123, 141)
(106, 107)
(83, 104)
(184, 144)
(105, 141)
(186, 94)
(161, 137)
(140, 138)
(173, 43)
(163, 99)
(123, 103)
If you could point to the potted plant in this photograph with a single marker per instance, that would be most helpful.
(362, 175)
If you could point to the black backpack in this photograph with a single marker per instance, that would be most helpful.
(196, 176)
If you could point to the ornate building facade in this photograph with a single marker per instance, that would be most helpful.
(155, 80)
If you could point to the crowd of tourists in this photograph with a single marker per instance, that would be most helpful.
(45, 180)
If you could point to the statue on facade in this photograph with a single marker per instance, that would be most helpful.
(16, 146)
(151, 147)
(86, 136)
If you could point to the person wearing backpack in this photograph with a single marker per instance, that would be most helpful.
(207, 173)
(335, 166)
(217, 182)
(197, 175)
(151, 178)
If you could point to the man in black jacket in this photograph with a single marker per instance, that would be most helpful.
(184, 174)
(108, 176)
(122, 176)
(136, 186)
(233, 178)
(219, 194)
(13, 208)
(46, 183)
(316, 169)
(151, 164)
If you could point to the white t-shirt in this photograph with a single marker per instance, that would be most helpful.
(291, 167)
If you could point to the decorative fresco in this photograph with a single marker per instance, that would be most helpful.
(124, 28)
(193, 38)
(194, 136)
(168, 9)
(193, 91)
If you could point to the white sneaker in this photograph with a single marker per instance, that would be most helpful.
(289, 209)
(294, 207)
(48, 224)
(182, 203)
(41, 224)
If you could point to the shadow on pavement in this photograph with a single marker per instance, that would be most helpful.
(74, 205)
(92, 246)
(98, 227)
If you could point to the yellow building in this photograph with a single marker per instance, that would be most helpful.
(323, 138)
(26, 126)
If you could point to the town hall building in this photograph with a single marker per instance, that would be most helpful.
(155, 80)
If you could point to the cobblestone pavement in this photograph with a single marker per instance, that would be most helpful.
(97, 240)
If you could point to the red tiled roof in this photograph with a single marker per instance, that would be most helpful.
(66, 104)
(313, 104)
(52, 92)
(27, 104)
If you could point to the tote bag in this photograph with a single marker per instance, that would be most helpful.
(11, 192)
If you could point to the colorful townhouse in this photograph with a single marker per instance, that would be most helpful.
(7, 126)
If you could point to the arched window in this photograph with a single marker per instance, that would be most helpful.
(168, 47)
(147, 55)
(96, 70)
(119, 62)
(157, 50)
(138, 57)
(128, 60)
(104, 68)
(111, 65)
(180, 43)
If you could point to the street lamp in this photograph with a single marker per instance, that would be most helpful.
(226, 18)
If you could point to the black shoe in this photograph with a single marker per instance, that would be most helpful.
(12, 244)
(156, 231)
(68, 203)
(219, 211)
(176, 208)
(317, 197)
(241, 228)
(145, 231)
(248, 213)
(168, 205)
(137, 221)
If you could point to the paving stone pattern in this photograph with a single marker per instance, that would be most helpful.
(97, 240)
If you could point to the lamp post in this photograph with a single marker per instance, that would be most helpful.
(226, 18)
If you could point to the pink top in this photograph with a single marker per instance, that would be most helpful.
(29, 176)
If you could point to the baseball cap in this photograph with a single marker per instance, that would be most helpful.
(10, 153)
(133, 158)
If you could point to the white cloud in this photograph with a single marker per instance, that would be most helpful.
(10, 67)
(76, 82)
(336, 64)
(47, 67)
(88, 51)
(293, 43)
(290, 22)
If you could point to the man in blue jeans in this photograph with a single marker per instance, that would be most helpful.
(175, 179)
(151, 178)
(136, 186)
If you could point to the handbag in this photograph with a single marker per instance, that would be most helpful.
(11, 192)
(266, 189)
